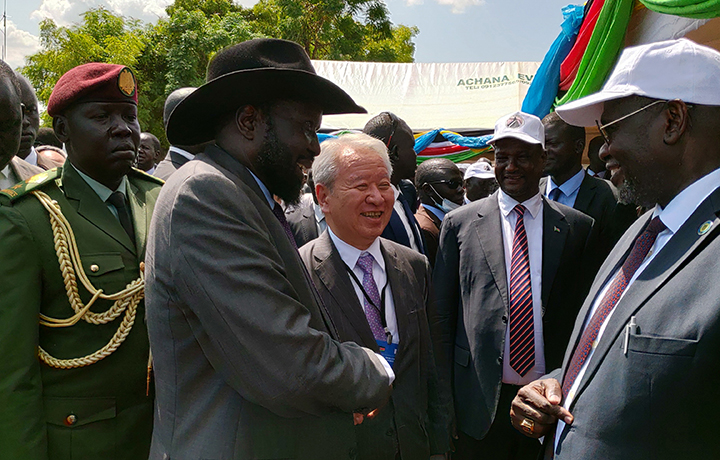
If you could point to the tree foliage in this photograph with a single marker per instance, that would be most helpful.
(174, 52)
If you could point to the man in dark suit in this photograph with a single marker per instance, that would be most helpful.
(639, 378)
(75, 378)
(177, 155)
(509, 280)
(569, 184)
(441, 191)
(397, 136)
(349, 262)
(246, 356)
(306, 219)
(596, 168)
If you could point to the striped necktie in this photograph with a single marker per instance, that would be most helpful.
(522, 326)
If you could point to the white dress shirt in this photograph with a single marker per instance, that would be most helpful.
(400, 209)
(533, 220)
(674, 215)
(32, 157)
(569, 189)
(8, 178)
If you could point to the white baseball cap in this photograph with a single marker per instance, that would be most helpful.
(480, 169)
(671, 69)
(519, 125)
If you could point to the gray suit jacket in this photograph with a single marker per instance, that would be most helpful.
(246, 363)
(169, 165)
(302, 222)
(413, 423)
(658, 400)
(471, 300)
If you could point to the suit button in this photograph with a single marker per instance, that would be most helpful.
(500, 360)
(70, 420)
(94, 268)
(390, 432)
(504, 319)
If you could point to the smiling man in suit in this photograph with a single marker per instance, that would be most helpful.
(640, 375)
(509, 280)
(74, 378)
(376, 292)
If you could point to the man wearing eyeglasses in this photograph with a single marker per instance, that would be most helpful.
(509, 280)
(440, 186)
(640, 375)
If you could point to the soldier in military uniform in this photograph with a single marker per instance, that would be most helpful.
(74, 355)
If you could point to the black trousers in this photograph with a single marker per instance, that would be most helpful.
(502, 442)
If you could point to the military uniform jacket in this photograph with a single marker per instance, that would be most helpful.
(100, 411)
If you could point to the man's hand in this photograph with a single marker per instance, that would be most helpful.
(536, 408)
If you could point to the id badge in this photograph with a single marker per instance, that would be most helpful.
(388, 351)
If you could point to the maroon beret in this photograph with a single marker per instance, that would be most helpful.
(93, 82)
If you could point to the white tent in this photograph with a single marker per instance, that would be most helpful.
(452, 96)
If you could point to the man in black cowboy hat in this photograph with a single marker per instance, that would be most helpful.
(247, 362)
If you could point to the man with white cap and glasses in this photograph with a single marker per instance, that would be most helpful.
(479, 180)
(508, 283)
(641, 368)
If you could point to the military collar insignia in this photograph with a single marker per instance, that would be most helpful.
(126, 82)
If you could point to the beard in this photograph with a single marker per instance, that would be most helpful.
(275, 164)
(631, 191)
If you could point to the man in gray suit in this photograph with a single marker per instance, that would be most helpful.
(640, 375)
(246, 357)
(509, 279)
(376, 292)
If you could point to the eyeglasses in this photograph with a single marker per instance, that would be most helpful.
(602, 128)
(450, 183)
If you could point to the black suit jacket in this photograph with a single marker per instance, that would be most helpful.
(395, 230)
(598, 198)
(470, 302)
(413, 419)
(169, 165)
(302, 222)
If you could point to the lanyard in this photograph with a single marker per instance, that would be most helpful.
(380, 308)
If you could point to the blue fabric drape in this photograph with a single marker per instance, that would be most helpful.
(544, 87)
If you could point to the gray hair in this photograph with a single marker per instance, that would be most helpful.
(326, 165)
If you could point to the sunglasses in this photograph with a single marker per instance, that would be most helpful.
(450, 183)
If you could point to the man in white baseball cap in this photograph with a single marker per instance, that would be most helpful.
(640, 375)
(479, 180)
(508, 283)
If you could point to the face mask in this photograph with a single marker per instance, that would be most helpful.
(446, 205)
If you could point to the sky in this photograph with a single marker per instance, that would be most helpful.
(450, 30)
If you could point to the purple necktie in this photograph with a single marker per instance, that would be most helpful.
(639, 251)
(372, 312)
(277, 210)
(522, 323)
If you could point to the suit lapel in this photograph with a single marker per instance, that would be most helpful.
(487, 228)
(555, 231)
(395, 230)
(398, 272)
(330, 269)
(586, 193)
(141, 214)
(89, 205)
(685, 244)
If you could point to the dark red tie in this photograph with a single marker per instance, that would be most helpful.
(639, 251)
(278, 211)
(522, 327)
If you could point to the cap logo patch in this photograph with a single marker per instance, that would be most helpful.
(514, 122)
(126, 82)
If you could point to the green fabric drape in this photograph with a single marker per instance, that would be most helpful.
(696, 9)
(606, 42)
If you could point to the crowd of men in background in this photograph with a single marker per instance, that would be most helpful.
(254, 294)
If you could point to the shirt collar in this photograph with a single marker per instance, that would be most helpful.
(6, 171)
(351, 254)
(32, 157)
(684, 204)
(319, 215)
(102, 191)
(265, 190)
(182, 152)
(438, 212)
(569, 186)
(507, 204)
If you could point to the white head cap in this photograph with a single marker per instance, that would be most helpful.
(480, 169)
(519, 125)
(672, 69)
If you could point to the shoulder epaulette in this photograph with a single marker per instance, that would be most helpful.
(143, 175)
(33, 183)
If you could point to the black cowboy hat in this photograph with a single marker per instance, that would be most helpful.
(253, 72)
